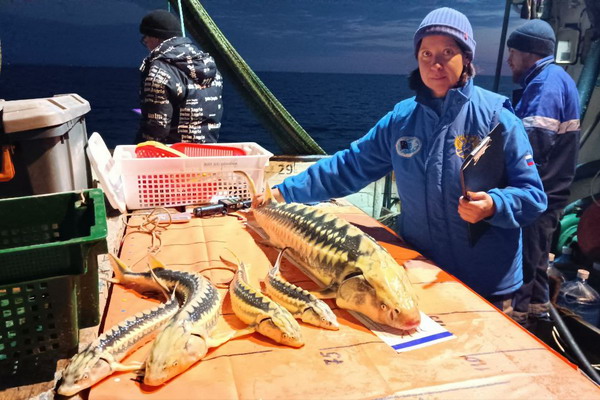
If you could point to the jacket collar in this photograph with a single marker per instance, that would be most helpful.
(164, 50)
(536, 69)
(455, 97)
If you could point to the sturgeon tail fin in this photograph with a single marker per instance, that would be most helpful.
(119, 268)
(252, 187)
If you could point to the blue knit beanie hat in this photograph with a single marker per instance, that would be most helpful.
(534, 36)
(447, 21)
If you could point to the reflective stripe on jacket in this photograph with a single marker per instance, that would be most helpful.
(549, 108)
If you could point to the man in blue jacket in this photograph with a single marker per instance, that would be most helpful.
(548, 105)
(425, 140)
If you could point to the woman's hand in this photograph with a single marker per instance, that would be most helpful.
(259, 199)
(480, 206)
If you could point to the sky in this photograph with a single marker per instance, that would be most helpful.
(340, 36)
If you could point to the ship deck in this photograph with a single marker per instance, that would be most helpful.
(480, 352)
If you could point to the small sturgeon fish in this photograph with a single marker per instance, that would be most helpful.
(102, 357)
(189, 334)
(338, 253)
(262, 314)
(301, 303)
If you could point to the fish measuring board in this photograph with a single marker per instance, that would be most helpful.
(490, 354)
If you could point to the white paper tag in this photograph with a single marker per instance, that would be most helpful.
(428, 333)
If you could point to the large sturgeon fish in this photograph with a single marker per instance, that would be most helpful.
(103, 356)
(354, 269)
(299, 302)
(262, 314)
(189, 334)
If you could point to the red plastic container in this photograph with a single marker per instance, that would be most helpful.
(205, 150)
(189, 149)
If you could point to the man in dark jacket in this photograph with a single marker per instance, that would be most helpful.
(181, 86)
(548, 105)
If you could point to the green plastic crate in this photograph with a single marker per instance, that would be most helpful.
(39, 327)
(48, 276)
(49, 235)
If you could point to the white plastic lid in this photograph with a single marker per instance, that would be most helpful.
(107, 171)
(567, 250)
(583, 274)
(25, 115)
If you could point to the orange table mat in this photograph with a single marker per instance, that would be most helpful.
(490, 357)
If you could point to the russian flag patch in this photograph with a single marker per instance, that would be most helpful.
(529, 160)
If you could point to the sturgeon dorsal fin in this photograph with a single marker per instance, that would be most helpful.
(242, 268)
(275, 270)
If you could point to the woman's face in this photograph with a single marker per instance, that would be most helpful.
(441, 62)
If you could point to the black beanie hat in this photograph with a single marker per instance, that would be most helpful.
(535, 36)
(160, 24)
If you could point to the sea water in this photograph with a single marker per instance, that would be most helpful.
(335, 109)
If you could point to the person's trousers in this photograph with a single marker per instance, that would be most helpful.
(533, 298)
(502, 302)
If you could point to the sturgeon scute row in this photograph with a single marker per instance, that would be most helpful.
(342, 258)
(102, 357)
(299, 302)
(189, 334)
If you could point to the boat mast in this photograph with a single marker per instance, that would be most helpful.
(501, 46)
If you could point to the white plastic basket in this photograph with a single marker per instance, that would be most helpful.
(170, 182)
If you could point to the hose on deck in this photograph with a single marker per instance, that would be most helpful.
(566, 335)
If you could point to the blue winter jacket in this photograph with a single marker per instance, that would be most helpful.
(425, 149)
(549, 108)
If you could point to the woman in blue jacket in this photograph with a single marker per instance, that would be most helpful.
(424, 140)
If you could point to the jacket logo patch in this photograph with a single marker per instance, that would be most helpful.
(464, 144)
(408, 146)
